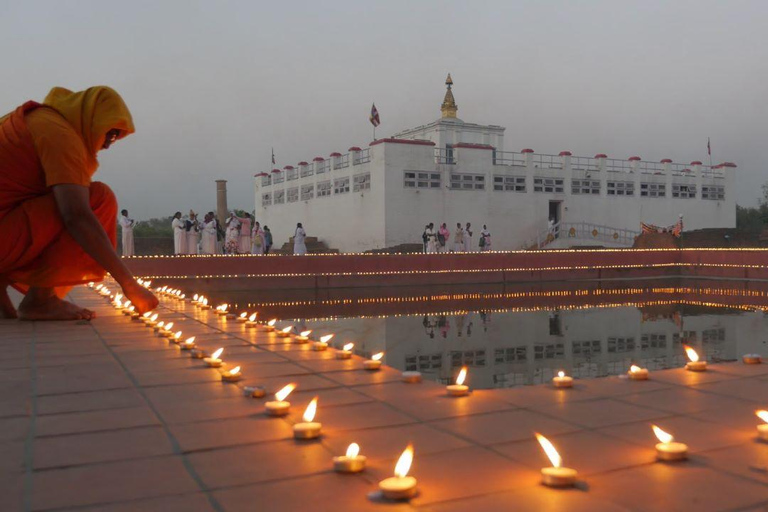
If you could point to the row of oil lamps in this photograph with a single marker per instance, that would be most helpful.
(400, 486)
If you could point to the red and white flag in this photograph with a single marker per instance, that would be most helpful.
(374, 117)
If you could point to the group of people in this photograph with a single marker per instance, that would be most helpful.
(192, 236)
(439, 241)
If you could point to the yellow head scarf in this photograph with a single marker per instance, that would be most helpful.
(92, 113)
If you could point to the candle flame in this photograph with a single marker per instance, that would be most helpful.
(224, 307)
(283, 393)
(271, 323)
(550, 450)
(118, 302)
(154, 317)
(177, 336)
(218, 353)
(127, 303)
(169, 326)
(205, 302)
(100, 287)
(196, 296)
(160, 324)
(306, 333)
(235, 370)
(462, 376)
(131, 309)
(243, 314)
(287, 329)
(763, 415)
(662, 436)
(404, 462)
(634, 369)
(377, 357)
(190, 340)
(146, 315)
(353, 450)
(326, 338)
(692, 355)
(310, 411)
(348, 347)
(561, 374)
(252, 318)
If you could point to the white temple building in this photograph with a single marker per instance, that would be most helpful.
(452, 171)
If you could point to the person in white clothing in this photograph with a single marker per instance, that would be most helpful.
(209, 235)
(458, 238)
(257, 239)
(232, 242)
(178, 234)
(485, 239)
(126, 226)
(431, 238)
(299, 247)
(468, 238)
(193, 233)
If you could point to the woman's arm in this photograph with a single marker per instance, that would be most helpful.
(73, 202)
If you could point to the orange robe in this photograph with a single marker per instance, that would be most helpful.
(42, 146)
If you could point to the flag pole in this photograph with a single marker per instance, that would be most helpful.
(709, 151)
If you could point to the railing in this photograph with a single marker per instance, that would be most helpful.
(307, 170)
(342, 162)
(547, 161)
(508, 158)
(583, 163)
(615, 165)
(582, 231)
(650, 167)
(362, 157)
(324, 166)
(444, 156)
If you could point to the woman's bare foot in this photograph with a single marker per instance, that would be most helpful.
(6, 306)
(43, 304)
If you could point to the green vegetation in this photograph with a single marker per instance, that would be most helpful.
(753, 219)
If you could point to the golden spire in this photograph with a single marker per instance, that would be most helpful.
(449, 108)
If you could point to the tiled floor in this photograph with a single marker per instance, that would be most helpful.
(107, 416)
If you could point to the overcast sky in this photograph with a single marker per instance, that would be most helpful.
(214, 85)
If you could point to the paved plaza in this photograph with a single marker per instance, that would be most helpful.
(107, 416)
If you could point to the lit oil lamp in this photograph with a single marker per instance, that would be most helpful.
(188, 344)
(243, 317)
(694, 364)
(411, 377)
(459, 389)
(279, 407)
(284, 333)
(374, 363)
(251, 323)
(222, 310)
(557, 475)
(270, 326)
(146, 316)
(158, 326)
(152, 322)
(323, 343)
(214, 361)
(176, 338)
(232, 375)
(127, 308)
(637, 373)
(752, 358)
(166, 331)
(204, 304)
(308, 428)
(133, 313)
(401, 486)
(352, 462)
(345, 352)
(195, 299)
(302, 337)
(667, 448)
(90, 285)
(562, 380)
(762, 430)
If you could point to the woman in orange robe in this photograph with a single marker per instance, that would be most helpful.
(57, 227)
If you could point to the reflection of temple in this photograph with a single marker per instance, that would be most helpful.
(523, 334)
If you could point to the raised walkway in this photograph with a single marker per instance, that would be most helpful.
(106, 416)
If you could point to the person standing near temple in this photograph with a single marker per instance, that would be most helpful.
(126, 226)
(299, 247)
(193, 233)
(485, 239)
(458, 239)
(244, 244)
(267, 239)
(232, 243)
(209, 235)
(468, 238)
(431, 238)
(257, 238)
(442, 238)
(178, 233)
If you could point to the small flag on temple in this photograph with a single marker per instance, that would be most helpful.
(273, 156)
(374, 117)
(709, 148)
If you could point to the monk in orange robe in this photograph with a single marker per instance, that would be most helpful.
(57, 227)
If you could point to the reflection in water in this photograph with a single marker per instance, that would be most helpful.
(511, 336)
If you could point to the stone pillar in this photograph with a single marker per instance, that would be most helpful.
(222, 212)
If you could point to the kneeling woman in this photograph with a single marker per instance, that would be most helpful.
(57, 227)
